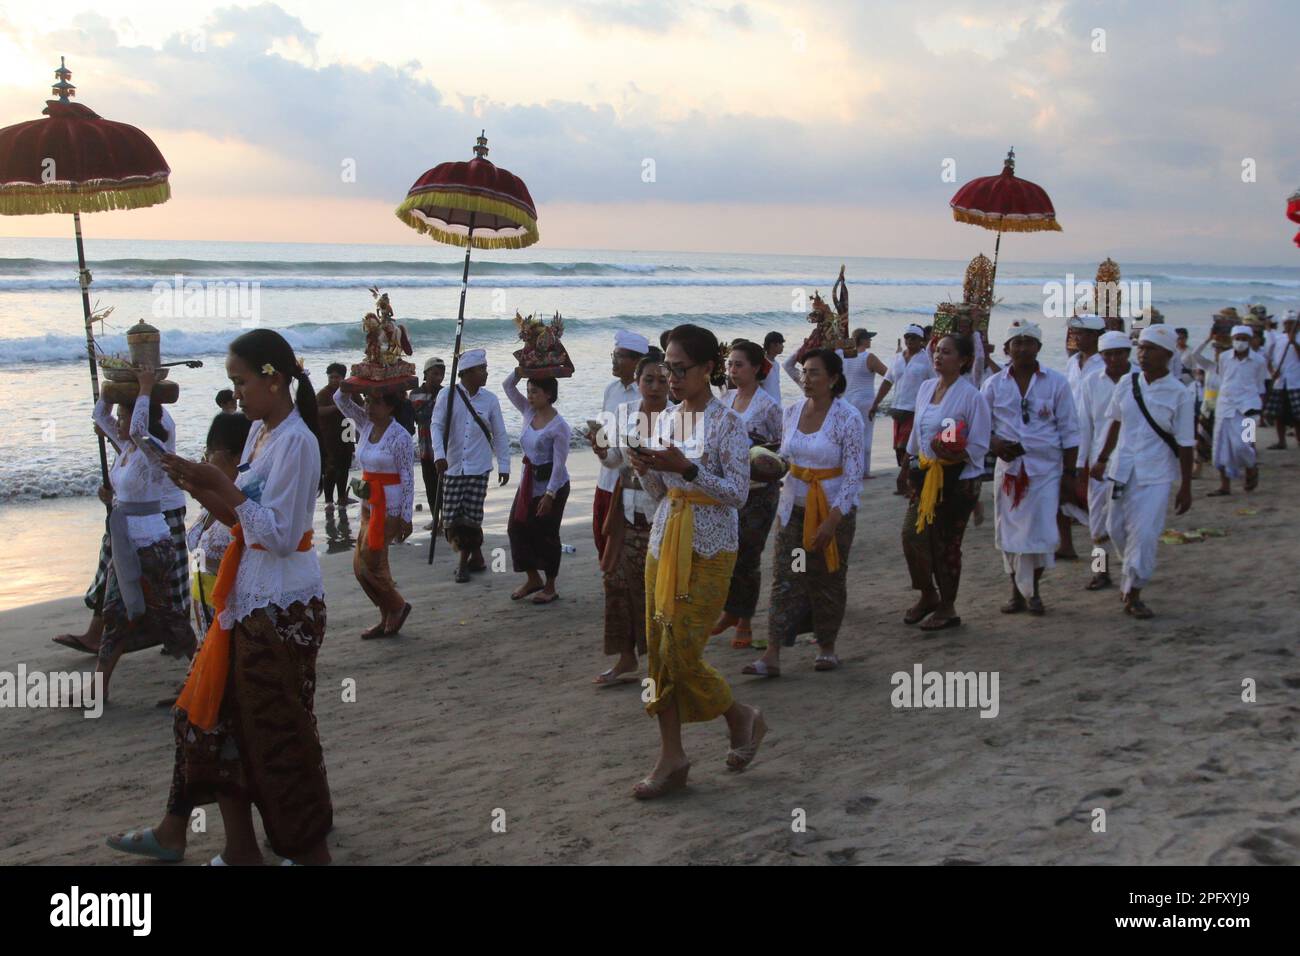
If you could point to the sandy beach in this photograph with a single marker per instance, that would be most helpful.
(484, 708)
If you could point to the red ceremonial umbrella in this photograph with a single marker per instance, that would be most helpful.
(477, 205)
(74, 161)
(1293, 211)
(1004, 203)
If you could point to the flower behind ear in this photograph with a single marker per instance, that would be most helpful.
(268, 369)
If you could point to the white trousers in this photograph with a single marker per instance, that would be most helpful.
(1135, 523)
(1231, 452)
(1026, 533)
(1099, 493)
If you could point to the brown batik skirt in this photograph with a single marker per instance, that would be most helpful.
(812, 599)
(625, 591)
(934, 555)
(755, 522)
(264, 747)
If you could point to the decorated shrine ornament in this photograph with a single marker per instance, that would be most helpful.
(543, 354)
(387, 343)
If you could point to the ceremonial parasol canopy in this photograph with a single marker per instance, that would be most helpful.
(475, 203)
(478, 205)
(75, 161)
(1004, 203)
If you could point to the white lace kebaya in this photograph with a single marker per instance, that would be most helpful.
(720, 448)
(837, 444)
(393, 454)
(137, 475)
(281, 484)
(548, 445)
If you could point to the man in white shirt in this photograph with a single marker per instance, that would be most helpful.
(629, 349)
(1095, 392)
(1241, 374)
(463, 456)
(1139, 458)
(1036, 440)
(773, 345)
(1083, 362)
(1284, 367)
(910, 368)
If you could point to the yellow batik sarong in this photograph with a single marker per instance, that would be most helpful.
(675, 645)
(675, 548)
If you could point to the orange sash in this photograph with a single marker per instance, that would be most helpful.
(200, 698)
(378, 504)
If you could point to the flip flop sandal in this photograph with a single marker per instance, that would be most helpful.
(216, 861)
(74, 643)
(476, 568)
(1252, 483)
(609, 678)
(144, 843)
(738, 758)
(406, 612)
(917, 614)
(462, 576)
(759, 643)
(826, 662)
(742, 640)
(1035, 606)
(1014, 606)
(516, 596)
(760, 669)
(947, 622)
(546, 598)
(370, 633)
(1098, 582)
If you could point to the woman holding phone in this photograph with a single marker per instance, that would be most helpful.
(144, 604)
(697, 470)
(245, 726)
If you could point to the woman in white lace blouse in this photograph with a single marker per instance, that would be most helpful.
(386, 452)
(822, 441)
(697, 469)
(245, 726)
(538, 509)
(761, 416)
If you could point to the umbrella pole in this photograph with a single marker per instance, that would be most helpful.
(451, 395)
(83, 280)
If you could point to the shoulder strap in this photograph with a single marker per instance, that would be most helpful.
(487, 432)
(1167, 438)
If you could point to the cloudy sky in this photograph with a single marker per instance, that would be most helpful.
(773, 126)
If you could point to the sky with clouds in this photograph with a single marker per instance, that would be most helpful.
(809, 127)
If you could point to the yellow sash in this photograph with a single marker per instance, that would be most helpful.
(675, 550)
(201, 586)
(931, 491)
(816, 509)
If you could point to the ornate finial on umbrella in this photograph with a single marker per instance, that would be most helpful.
(481, 147)
(63, 89)
(1010, 161)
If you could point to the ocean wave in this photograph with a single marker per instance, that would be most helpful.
(310, 337)
(325, 267)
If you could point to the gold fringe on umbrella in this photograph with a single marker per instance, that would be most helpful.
(479, 204)
(1007, 223)
(25, 199)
